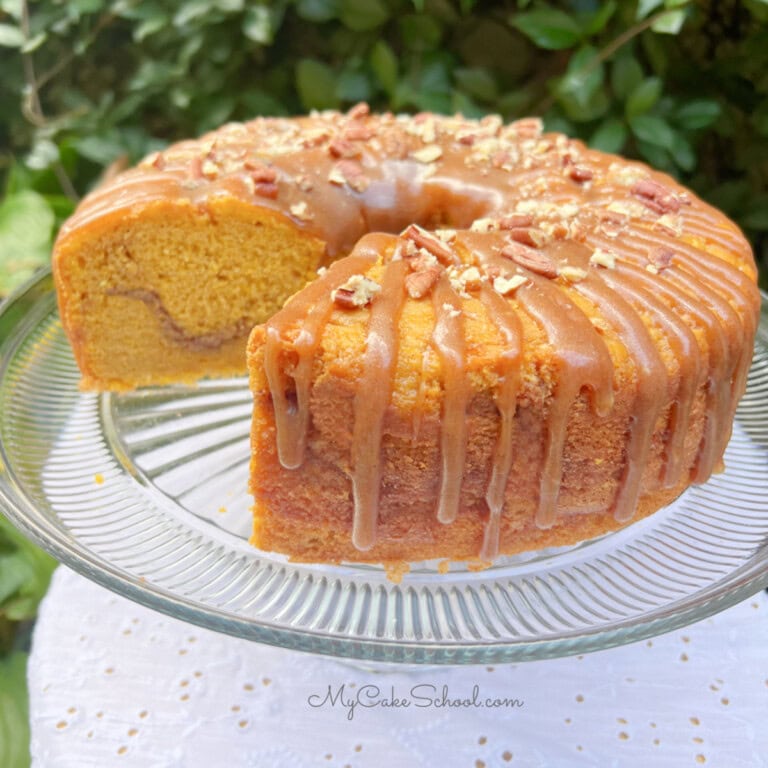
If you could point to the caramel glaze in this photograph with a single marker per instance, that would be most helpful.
(560, 221)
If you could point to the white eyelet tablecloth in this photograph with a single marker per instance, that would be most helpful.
(115, 684)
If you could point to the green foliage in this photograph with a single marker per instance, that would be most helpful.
(24, 575)
(14, 709)
(25, 572)
(82, 84)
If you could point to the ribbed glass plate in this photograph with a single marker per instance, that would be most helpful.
(146, 493)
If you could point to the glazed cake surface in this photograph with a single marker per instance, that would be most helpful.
(513, 341)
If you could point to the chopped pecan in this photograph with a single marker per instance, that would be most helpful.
(156, 160)
(419, 259)
(656, 196)
(209, 169)
(260, 172)
(501, 159)
(266, 189)
(349, 172)
(427, 154)
(580, 174)
(528, 127)
(314, 138)
(429, 243)
(420, 282)
(359, 111)
(301, 211)
(572, 274)
(342, 148)
(358, 132)
(525, 236)
(530, 259)
(515, 221)
(602, 258)
(505, 285)
(358, 291)
(661, 258)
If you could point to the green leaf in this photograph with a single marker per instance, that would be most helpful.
(318, 11)
(12, 7)
(465, 105)
(26, 568)
(14, 711)
(559, 124)
(384, 65)
(730, 196)
(646, 7)
(595, 22)
(477, 82)
(656, 156)
(700, 113)
(149, 27)
(643, 97)
(611, 136)
(11, 37)
(756, 215)
(26, 225)
(420, 33)
(653, 130)
(34, 42)
(192, 10)
(316, 85)
(548, 28)
(671, 22)
(626, 75)
(583, 77)
(363, 15)
(43, 155)
(683, 153)
(230, 6)
(102, 149)
(258, 24)
(353, 86)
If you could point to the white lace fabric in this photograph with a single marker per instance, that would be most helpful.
(115, 684)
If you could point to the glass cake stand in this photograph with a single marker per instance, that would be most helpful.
(145, 493)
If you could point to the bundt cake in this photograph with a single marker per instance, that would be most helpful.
(496, 340)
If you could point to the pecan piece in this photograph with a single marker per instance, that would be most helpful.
(358, 132)
(515, 220)
(525, 236)
(420, 283)
(429, 243)
(660, 258)
(656, 196)
(580, 174)
(266, 189)
(359, 111)
(505, 285)
(530, 259)
(357, 292)
(528, 127)
(349, 172)
(260, 172)
(342, 148)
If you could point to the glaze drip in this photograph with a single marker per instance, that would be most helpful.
(304, 315)
(651, 388)
(372, 400)
(448, 339)
(508, 323)
(583, 362)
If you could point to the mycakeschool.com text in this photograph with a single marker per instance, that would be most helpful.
(422, 696)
